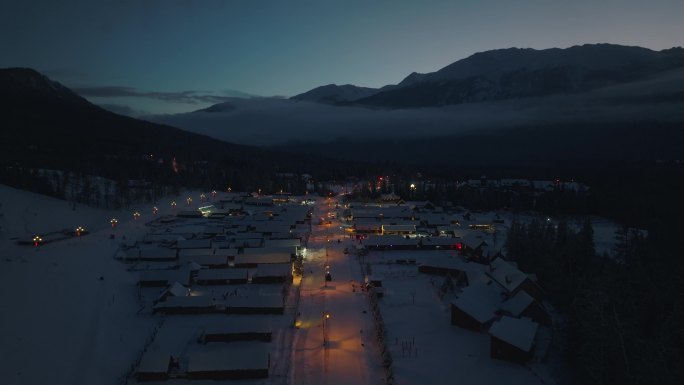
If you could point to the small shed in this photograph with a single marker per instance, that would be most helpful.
(247, 360)
(512, 339)
(476, 306)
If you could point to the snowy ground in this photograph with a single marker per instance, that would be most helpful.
(69, 309)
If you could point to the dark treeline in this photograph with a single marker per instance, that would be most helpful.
(623, 312)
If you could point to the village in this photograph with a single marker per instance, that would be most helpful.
(285, 289)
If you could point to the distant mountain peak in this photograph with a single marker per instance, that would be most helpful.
(29, 83)
(333, 93)
(509, 73)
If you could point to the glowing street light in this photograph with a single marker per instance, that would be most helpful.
(213, 193)
(189, 200)
(155, 210)
(37, 240)
(230, 189)
(136, 215)
(413, 186)
(326, 317)
(114, 222)
(203, 197)
(173, 205)
(79, 230)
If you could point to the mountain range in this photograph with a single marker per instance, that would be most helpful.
(511, 73)
(592, 104)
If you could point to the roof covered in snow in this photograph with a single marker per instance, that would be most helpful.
(506, 274)
(480, 301)
(518, 303)
(228, 357)
(517, 332)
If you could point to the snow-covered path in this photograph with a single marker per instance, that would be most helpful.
(348, 355)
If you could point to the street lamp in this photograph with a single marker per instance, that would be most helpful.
(189, 200)
(326, 317)
(155, 210)
(79, 230)
(114, 222)
(136, 215)
(203, 197)
(37, 240)
(213, 194)
(173, 205)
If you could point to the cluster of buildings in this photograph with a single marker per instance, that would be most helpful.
(219, 277)
(493, 294)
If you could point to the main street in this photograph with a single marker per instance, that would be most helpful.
(335, 342)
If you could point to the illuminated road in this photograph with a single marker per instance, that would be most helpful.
(350, 355)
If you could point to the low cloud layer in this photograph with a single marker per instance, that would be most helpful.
(271, 122)
(186, 97)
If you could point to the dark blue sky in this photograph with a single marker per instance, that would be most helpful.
(181, 55)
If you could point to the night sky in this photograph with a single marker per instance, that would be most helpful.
(181, 55)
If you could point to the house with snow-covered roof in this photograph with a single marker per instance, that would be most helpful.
(512, 339)
(476, 306)
(228, 362)
(508, 275)
(522, 305)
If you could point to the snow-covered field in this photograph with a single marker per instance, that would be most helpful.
(68, 308)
